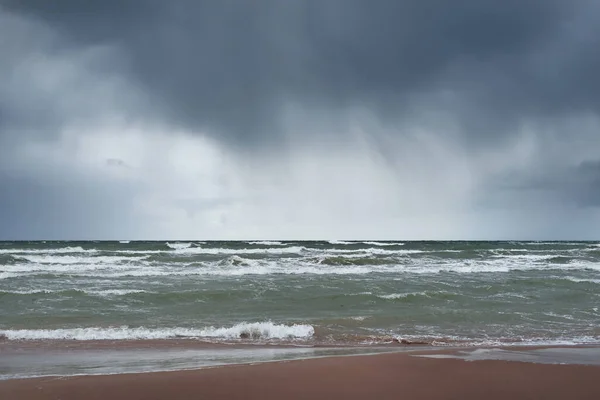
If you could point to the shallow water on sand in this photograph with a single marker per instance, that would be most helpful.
(65, 362)
(551, 355)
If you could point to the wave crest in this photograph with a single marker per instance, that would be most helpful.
(244, 330)
(179, 245)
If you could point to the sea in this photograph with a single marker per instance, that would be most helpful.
(304, 293)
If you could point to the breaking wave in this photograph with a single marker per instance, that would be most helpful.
(581, 280)
(384, 243)
(255, 264)
(267, 243)
(66, 260)
(216, 250)
(102, 293)
(60, 250)
(179, 246)
(244, 330)
(6, 275)
(396, 296)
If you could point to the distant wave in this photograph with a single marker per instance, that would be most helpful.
(350, 260)
(77, 249)
(294, 250)
(340, 242)
(192, 259)
(371, 243)
(102, 293)
(581, 280)
(244, 330)
(178, 245)
(53, 259)
(553, 243)
(384, 243)
(267, 243)
(6, 275)
(371, 250)
(71, 268)
(214, 250)
(396, 296)
(124, 241)
(237, 265)
(411, 296)
(114, 292)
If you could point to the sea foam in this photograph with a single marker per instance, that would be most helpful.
(244, 330)
(179, 246)
(384, 243)
(102, 293)
(60, 250)
(216, 250)
(267, 243)
(68, 259)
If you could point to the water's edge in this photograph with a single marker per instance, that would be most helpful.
(30, 363)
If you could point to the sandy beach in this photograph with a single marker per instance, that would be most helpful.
(385, 376)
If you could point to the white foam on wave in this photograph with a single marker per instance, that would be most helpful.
(32, 291)
(73, 269)
(267, 243)
(124, 241)
(179, 245)
(359, 318)
(384, 243)
(61, 250)
(527, 257)
(466, 341)
(6, 275)
(498, 265)
(236, 265)
(364, 252)
(103, 293)
(115, 292)
(581, 280)
(310, 262)
(340, 242)
(250, 267)
(555, 243)
(215, 250)
(255, 330)
(146, 252)
(66, 260)
(396, 296)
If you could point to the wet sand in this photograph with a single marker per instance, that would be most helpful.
(385, 376)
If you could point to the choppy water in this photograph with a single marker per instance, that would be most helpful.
(306, 292)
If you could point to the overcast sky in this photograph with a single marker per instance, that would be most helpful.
(290, 119)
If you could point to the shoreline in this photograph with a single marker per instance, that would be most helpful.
(41, 359)
(364, 342)
(381, 376)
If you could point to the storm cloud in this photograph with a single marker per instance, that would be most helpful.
(300, 119)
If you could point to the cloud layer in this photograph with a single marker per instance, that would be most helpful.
(310, 119)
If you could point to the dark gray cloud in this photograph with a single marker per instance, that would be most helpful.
(469, 108)
(72, 208)
(588, 177)
(229, 66)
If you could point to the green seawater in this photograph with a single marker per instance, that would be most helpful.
(302, 292)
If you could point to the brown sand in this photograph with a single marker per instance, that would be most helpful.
(387, 376)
